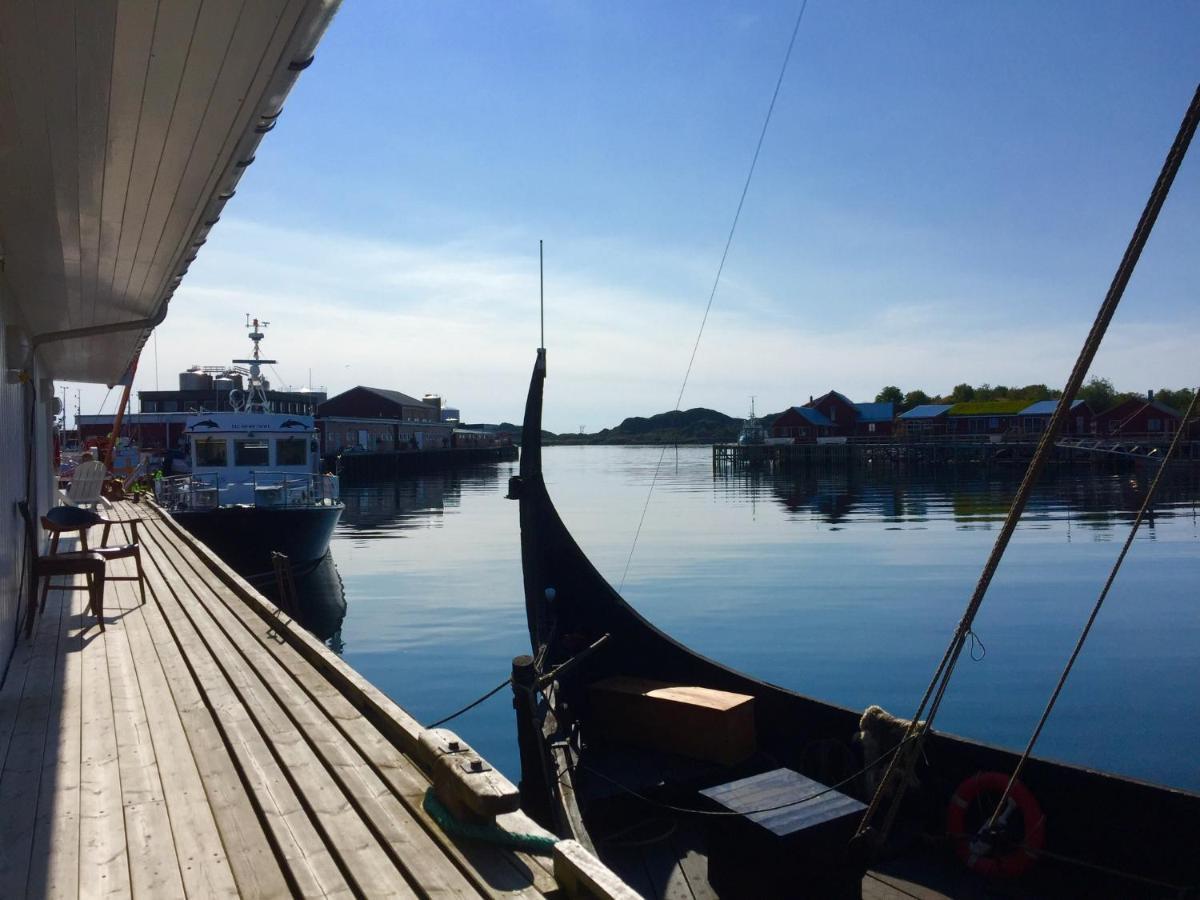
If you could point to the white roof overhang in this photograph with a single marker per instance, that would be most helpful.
(124, 128)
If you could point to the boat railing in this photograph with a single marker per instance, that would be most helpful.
(188, 492)
(266, 489)
(283, 489)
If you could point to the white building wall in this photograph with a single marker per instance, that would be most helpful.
(25, 424)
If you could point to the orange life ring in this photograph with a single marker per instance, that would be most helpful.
(979, 852)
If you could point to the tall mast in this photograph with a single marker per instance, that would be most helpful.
(256, 394)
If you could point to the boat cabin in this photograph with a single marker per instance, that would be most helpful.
(258, 459)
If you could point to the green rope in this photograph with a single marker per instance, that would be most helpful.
(491, 832)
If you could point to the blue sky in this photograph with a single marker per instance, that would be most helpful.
(943, 195)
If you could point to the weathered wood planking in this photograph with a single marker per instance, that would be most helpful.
(54, 869)
(357, 850)
(310, 866)
(203, 864)
(253, 859)
(494, 871)
(26, 705)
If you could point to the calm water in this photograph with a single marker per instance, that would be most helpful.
(844, 586)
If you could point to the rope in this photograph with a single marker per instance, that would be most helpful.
(687, 810)
(489, 832)
(1087, 628)
(717, 280)
(1112, 299)
(474, 703)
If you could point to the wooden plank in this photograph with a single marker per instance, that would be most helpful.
(28, 702)
(257, 859)
(153, 863)
(103, 859)
(309, 861)
(332, 795)
(54, 871)
(582, 875)
(495, 871)
(204, 865)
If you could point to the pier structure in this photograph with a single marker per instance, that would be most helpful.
(388, 464)
(949, 450)
(205, 744)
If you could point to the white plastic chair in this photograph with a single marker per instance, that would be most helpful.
(86, 485)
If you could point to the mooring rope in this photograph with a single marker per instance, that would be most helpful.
(937, 685)
(474, 703)
(717, 280)
(1087, 628)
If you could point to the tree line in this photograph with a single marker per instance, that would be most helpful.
(1098, 392)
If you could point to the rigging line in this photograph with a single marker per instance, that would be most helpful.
(1112, 575)
(1108, 307)
(720, 269)
(470, 706)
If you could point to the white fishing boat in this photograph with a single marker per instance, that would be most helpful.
(255, 486)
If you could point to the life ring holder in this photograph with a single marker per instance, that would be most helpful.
(976, 850)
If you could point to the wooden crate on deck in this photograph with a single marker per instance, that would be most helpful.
(702, 723)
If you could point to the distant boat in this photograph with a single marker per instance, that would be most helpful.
(752, 430)
(615, 753)
(255, 485)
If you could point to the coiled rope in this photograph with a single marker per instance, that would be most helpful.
(935, 692)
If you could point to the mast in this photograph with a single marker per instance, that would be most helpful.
(116, 432)
(256, 394)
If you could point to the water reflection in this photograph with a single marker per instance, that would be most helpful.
(1088, 500)
(377, 509)
(320, 602)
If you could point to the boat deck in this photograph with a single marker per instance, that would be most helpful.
(204, 745)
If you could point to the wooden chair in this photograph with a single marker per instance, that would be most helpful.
(86, 485)
(72, 519)
(86, 563)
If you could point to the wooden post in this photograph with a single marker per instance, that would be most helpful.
(535, 784)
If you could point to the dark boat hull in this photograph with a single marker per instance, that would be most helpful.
(244, 536)
(1104, 823)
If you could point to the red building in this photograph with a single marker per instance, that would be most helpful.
(379, 420)
(1138, 416)
(836, 415)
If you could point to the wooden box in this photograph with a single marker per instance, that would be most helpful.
(702, 723)
(789, 838)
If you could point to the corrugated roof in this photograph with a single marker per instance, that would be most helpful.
(875, 412)
(815, 416)
(927, 411)
(1047, 407)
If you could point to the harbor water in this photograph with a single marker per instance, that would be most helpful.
(844, 586)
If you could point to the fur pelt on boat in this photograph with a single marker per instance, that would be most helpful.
(878, 734)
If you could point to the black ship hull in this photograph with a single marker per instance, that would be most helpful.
(244, 536)
(1104, 834)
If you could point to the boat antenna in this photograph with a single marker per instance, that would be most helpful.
(542, 293)
(720, 269)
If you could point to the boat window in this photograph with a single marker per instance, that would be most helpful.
(211, 452)
(251, 452)
(291, 451)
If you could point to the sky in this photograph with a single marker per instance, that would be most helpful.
(943, 195)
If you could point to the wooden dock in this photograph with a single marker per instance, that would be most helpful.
(944, 451)
(203, 745)
(390, 463)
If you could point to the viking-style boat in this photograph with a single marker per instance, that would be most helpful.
(691, 779)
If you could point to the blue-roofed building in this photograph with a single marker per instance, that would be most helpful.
(834, 415)
(926, 419)
(802, 424)
(1034, 418)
